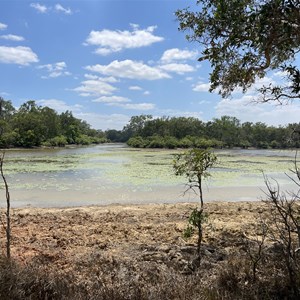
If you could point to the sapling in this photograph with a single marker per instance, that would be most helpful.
(194, 165)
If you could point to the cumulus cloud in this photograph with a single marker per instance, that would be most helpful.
(135, 88)
(12, 37)
(57, 8)
(59, 105)
(245, 110)
(60, 8)
(135, 106)
(17, 55)
(3, 26)
(39, 7)
(112, 99)
(201, 87)
(94, 88)
(129, 69)
(180, 113)
(123, 102)
(109, 41)
(104, 121)
(55, 70)
(177, 68)
(176, 54)
(109, 79)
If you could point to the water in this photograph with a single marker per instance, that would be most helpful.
(114, 173)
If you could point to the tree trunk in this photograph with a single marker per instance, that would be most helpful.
(7, 228)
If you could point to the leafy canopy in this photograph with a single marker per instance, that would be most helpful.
(194, 165)
(243, 39)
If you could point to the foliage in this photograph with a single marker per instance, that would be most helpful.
(193, 164)
(32, 126)
(196, 220)
(243, 39)
(220, 132)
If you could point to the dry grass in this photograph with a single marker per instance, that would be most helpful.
(137, 252)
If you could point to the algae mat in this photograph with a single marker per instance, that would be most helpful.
(114, 173)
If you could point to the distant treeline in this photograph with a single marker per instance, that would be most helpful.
(34, 126)
(181, 132)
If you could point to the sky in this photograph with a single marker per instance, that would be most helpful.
(109, 60)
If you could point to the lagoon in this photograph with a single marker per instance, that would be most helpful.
(114, 173)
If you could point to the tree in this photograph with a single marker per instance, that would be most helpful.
(136, 125)
(193, 164)
(244, 39)
(226, 130)
(6, 114)
(7, 213)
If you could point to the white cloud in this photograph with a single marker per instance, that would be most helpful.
(135, 106)
(245, 110)
(40, 8)
(135, 88)
(60, 8)
(177, 54)
(259, 83)
(177, 68)
(17, 55)
(109, 41)
(180, 113)
(3, 26)
(189, 78)
(94, 88)
(59, 105)
(55, 70)
(129, 69)
(103, 121)
(146, 93)
(12, 37)
(112, 99)
(281, 73)
(203, 102)
(109, 79)
(201, 87)
(4, 94)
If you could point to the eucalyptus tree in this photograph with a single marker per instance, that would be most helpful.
(243, 40)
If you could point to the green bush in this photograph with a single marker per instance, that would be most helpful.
(137, 142)
(156, 142)
(171, 142)
(58, 141)
(185, 143)
(83, 139)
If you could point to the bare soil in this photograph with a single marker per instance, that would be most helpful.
(72, 237)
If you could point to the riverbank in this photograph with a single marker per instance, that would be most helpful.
(123, 250)
(118, 229)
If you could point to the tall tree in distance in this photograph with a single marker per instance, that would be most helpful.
(243, 40)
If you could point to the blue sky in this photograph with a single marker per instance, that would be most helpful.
(108, 60)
